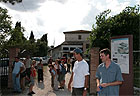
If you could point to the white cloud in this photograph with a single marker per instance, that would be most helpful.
(116, 6)
(66, 16)
(56, 16)
(138, 2)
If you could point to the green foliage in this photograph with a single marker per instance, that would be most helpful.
(42, 45)
(31, 38)
(5, 29)
(44, 39)
(124, 23)
(136, 70)
(31, 48)
(11, 1)
(17, 37)
(39, 48)
(5, 25)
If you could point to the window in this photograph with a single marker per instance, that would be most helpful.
(65, 48)
(72, 48)
(79, 37)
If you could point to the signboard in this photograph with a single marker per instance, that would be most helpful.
(120, 53)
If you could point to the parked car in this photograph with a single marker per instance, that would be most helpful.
(44, 60)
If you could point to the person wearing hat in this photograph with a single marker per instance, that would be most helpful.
(80, 75)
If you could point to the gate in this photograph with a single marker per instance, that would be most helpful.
(4, 66)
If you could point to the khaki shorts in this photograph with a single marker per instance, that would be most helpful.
(61, 77)
(32, 81)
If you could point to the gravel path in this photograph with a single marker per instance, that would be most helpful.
(44, 89)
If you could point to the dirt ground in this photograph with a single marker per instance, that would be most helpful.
(42, 88)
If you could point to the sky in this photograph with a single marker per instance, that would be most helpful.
(57, 16)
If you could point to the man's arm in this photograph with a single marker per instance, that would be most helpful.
(86, 85)
(86, 81)
(111, 83)
(98, 84)
(69, 84)
(21, 69)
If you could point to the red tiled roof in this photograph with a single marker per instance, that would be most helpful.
(77, 31)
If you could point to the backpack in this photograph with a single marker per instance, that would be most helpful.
(63, 71)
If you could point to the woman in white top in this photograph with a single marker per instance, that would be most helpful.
(57, 66)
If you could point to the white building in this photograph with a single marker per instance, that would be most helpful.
(73, 39)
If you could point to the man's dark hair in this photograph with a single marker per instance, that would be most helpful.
(106, 51)
(17, 57)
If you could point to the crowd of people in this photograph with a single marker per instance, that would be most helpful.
(24, 71)
(58, 72)
(108, 75)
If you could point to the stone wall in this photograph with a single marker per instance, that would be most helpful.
(94, 62)
(74, 37)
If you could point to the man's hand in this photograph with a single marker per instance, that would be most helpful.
(98, 89)
(104, 84)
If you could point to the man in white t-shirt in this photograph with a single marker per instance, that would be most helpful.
(80, 75)
(18, 68)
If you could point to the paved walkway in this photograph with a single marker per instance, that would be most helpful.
(42, 88)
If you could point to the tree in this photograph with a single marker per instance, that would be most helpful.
(5, 25)
(124, 23)
(37, 48)
(5, 29)
(17, 37)
(11, 1)
(42, 45)
(31, 38)
(42, 48)
(31, 48)
(44, 39)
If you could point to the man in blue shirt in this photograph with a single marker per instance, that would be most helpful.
(108, 75)
(16, 74)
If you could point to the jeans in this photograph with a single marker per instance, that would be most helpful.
(16, 82)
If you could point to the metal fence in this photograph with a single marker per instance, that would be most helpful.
(4, 66)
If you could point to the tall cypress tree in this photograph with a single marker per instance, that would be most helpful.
(17, 36)
(44, 39)
(31, 39)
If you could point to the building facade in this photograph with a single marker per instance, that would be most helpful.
(73, 39)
